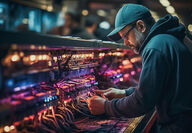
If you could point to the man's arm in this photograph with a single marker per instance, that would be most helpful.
(152, 81)
(129, 91)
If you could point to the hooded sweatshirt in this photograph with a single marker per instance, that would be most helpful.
(166, 77)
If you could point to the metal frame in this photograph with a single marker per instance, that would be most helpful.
(53, 41)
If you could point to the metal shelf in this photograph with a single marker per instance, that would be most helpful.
(54, 41)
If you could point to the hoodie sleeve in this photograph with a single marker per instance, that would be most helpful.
(152, 81)
(129, 91)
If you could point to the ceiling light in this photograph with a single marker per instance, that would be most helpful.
(165, 3)
(155, 15)
(85, 12)
(190, 27)
(25, 20)
(104, 25)
(101, 13)
(50, 8)
(170, 9)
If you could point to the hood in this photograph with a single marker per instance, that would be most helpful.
(165, 25)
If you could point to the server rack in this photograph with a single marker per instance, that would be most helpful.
(45, 80)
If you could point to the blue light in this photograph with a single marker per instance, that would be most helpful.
(88, 85)
(2, 21)
(120, 75)
(10, 83)
(104, 25)
(3, 7)
(1, 10)
(31, 19)
(34, 21)
(60, 20)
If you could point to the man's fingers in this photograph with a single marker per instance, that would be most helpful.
(99, 91)
(88, 100)
(107, 94)
(102, 91)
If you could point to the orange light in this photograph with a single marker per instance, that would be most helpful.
(16, 123)
(32, 57)
(40, 57)
(63, 56)
(118, 53)
(50, 107)
(40, 47)
(31, 117)
(26, 60)
(6, 129)
(49, 63)
(21, 54)
(26, 118)
(119, 70)
(101, 54)
(15, 58)
(128, 66)
(40, 94)
(29, 98)
(125, 62)
(44, 57)
(32, 47)
(136, 59)
(44, 47)
(133, 60)
(14, 46)
(12, 127)
(55, 59)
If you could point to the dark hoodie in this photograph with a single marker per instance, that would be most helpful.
(165, 80)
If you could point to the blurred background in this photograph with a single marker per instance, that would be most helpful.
(95, 16)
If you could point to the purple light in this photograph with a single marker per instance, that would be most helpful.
(138, 69)
(92, 70)
(104, 66)
(132, 72)
(17, 89)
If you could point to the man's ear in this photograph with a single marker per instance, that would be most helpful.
(141, 26)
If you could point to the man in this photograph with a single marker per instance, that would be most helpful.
(91, 23)
(72, 27)
(165, 80)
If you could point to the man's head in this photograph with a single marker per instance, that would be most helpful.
(132, 24)
(91, 23)
(72, 19)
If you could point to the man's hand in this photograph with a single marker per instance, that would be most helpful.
(96, 105)
(111, 93)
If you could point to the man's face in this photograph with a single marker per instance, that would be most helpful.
(132, 37)
(68, 20)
